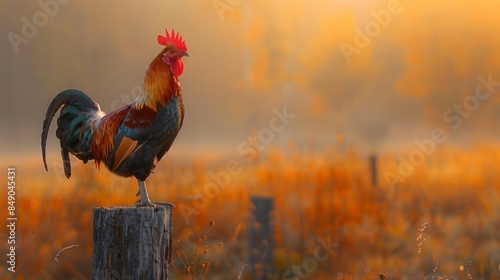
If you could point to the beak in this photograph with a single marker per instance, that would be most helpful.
(184, 54)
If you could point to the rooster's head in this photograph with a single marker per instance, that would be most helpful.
(175, 49)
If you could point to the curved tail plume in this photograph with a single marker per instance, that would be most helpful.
(73, 127)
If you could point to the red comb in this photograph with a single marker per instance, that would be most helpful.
(173, 39)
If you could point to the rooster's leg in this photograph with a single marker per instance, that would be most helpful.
(144, 201)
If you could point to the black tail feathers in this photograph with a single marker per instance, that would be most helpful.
(72, 126)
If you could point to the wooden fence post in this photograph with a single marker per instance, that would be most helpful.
(373, 169)
(132, 242)
(261, 238)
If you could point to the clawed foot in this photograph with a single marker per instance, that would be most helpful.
(144, 203)
(143, 193)
(144, 198)
(165, 203)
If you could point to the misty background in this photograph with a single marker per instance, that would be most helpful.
(250, 57)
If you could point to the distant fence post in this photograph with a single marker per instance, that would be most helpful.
(373, 169)
(261, 238)
(132, 242)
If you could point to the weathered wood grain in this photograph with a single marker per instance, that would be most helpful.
(132, 242)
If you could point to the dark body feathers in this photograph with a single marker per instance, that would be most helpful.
(129, 140)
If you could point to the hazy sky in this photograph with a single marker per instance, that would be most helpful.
(381, 73)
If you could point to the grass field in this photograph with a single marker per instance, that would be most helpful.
(440, 222)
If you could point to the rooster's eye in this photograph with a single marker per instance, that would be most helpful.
(171, 51)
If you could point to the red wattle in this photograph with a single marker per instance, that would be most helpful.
(177, 67)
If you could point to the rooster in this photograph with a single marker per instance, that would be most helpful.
(130, 140)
